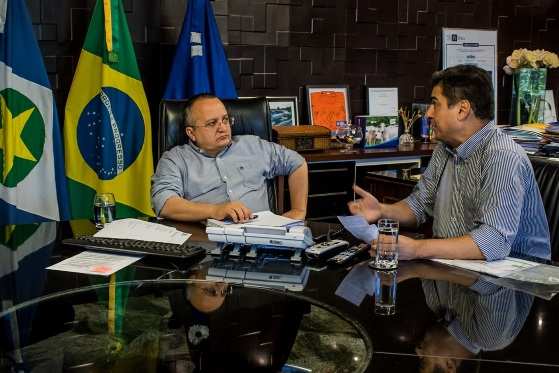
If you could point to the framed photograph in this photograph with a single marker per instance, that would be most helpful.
(284, 110)
(328, 104)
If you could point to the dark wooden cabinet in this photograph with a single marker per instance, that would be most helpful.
(330, 189)
(332, 174)
(388, 185)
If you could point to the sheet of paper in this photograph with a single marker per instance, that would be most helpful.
(498, 268)
(541, 274)
(549, 107)
(359, 227)
(95, 263)
(136, 229)
(262, 218)
(383, 102)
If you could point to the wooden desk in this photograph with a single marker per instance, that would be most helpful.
(332, 174)
(362, 156)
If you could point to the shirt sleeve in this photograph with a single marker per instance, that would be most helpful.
(422, 199)
(166, 182)
(504, 181)
(283, 161)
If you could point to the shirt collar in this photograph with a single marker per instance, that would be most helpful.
(467, 148)
(202, 152)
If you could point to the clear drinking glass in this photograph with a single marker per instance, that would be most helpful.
(348, 135)
(387, 245)
(104, 209)
(385, 292)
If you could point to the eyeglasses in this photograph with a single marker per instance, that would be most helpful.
(212, 124)
(216, 290)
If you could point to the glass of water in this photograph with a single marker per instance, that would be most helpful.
(104, 209)
(387, 244)
(385, 292)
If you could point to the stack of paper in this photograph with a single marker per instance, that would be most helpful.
(135, 229)
(527, 136)
(261, 218)
(552, 131)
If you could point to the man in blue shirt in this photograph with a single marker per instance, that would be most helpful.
(219, 176)
(479, 187)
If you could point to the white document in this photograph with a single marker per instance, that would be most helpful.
(498, 268)
(383, 102)
(261, 218)
(94, 263)
(136, 229)
(549, 107)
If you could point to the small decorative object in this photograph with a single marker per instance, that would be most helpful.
(408, 119)
(197, 333)
(302, 138)
(424, 121)
(284, 110)
(348, 134)
(328, 104)
(529, 71)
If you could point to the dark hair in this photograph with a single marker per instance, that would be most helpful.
(467, 82)
(190, 102)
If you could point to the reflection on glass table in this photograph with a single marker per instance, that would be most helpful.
(469, 315)
(265, 271)
(178, 325)
(481, 317)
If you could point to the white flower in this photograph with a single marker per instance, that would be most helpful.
(508, 70)
(524, 58)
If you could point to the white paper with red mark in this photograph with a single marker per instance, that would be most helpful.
(95, 263)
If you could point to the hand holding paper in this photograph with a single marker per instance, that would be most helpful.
(359, 227)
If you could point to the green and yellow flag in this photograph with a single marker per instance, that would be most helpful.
(107, 129)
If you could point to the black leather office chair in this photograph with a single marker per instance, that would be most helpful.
(251, 118)
(547, 176)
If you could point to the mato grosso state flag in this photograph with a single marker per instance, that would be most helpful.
(107, 128)
(32, 184)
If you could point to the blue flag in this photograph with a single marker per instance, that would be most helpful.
(32, 182)
(200, 64)
(25, 252)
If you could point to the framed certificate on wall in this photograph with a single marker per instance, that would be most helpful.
(328, 104)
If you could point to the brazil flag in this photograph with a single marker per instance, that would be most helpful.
(107, 129)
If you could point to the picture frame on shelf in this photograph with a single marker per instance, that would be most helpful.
(328, 104)
(284, 110)
(382, 101)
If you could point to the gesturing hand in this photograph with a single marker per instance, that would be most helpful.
(235, 210)
(367, 206)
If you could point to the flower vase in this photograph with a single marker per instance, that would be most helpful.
(406, 139)
(528, 95)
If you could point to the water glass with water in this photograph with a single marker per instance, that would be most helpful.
(385, 292)
(104, 209)
(387, 244)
